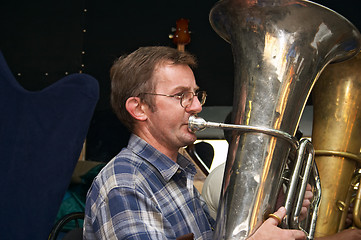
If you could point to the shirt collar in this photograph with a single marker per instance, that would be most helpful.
(161, 162)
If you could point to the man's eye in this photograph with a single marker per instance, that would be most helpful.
(179, 94)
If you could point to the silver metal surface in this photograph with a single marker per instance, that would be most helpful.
(280, 47)
(311, 224)
(198, 124)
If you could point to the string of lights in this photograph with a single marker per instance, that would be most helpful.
(80, 59)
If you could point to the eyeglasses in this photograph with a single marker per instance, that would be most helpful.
(186, 98)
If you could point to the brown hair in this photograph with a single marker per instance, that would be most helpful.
(132, 75)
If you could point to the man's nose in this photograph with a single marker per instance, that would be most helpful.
(195, 107)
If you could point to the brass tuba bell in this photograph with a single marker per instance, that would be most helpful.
(280, 47)
(336, 136)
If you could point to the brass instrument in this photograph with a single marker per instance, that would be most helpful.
(355, 197)
(336, 137)
(303, 168)
(280, 47)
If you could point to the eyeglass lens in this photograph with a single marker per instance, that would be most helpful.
(188, 98)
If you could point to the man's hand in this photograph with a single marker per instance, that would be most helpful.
(306, 202)
(269, 230)
(349, 218)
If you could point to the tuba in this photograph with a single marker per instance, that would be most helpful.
(279, 47)
(336, 137)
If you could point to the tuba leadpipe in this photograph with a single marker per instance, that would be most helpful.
(336, 136)
(279, 47)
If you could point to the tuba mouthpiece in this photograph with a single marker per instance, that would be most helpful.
(196, 123)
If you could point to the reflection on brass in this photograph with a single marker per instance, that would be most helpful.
(341, 205)
(336, 137)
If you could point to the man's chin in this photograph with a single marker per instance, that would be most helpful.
(192, 138)
(189, 138)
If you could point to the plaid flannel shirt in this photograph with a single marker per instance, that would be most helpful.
(142, 194)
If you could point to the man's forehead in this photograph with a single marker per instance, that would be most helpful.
(167, 73)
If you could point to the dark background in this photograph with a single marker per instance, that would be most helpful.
(43, 41)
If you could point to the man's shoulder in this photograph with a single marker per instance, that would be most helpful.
(125, 170)
(126, 163)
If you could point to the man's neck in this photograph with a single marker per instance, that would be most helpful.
(172, 153)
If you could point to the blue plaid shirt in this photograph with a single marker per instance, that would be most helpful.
(142, 194)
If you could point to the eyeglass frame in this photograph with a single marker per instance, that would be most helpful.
(181, 97)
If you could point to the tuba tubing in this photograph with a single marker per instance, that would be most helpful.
(357, 211)
(198, 124)
(280, 47)
(304, 168)
(295, 194)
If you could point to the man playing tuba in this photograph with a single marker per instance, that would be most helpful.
(146, 191)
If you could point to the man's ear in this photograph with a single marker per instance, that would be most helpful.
(135, 108)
